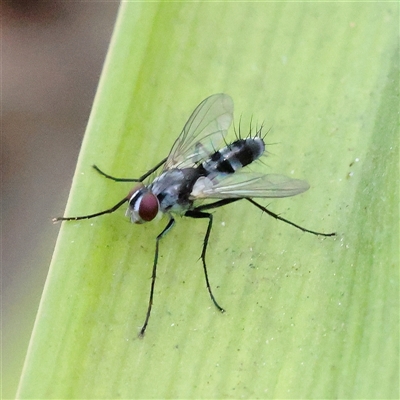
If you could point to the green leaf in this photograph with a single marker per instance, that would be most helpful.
(306, 317)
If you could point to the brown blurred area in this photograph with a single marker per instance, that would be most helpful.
(52, 56)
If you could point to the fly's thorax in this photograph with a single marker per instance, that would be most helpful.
(143, 204)
(237, 155)
(173, 188)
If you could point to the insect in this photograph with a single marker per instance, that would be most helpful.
(201, 173)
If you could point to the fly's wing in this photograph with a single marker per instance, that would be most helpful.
(247, 184)
(203, 133)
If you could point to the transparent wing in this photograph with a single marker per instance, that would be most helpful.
(203, 133)
(248, 184)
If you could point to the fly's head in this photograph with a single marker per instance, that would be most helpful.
(143, 204)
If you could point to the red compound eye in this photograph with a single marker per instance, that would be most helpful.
(148, 207)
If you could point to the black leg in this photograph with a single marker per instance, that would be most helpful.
(109, 211)
(224, 202)
(119, 204)
(142, 178)
(216, 204)
(198, 214)
(276, 216)
(154, 274)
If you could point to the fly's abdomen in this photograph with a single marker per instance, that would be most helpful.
(237, 155)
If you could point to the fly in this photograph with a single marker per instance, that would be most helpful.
(194, 172)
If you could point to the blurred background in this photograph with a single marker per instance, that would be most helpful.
(52, 56)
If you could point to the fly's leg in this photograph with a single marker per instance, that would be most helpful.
(142, 178)
(154, 274)
(276, 216)
(119, 204)
(198, 214)
(108, 211)
(216, 204)
(224, 202)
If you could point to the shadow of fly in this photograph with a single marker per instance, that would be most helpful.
(196, 177)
